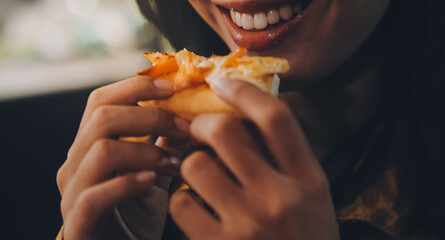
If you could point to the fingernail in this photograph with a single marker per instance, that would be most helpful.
(182, 124)
(175, 161)
(163, 84)
(145, 177)
(169, 161)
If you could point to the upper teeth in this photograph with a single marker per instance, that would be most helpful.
(261, 20)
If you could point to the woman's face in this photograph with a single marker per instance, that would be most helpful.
(316, 36)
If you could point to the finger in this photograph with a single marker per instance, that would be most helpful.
(231, 141)
(192, 218)
(96, 201)
(127, 92)
(281, 131)
(114, 121)
(205, 177)
(174, 146)
(108, 157)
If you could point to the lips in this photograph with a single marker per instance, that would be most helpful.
(261, 25)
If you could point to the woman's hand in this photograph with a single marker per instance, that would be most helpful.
(101, 171)
(288, 201)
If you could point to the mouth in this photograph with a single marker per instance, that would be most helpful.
(261, 25)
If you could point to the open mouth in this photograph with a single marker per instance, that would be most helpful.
(261, 25)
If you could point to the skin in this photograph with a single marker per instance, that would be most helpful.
(322, 54)
(87, 180)
(331, 32)
(289, 199)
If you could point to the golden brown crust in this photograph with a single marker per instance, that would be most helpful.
(190, 102)
(193, 77)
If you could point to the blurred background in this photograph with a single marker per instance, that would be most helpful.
(54, 45)
(53, 53)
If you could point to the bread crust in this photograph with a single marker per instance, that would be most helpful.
(193, 77)
(188, 103)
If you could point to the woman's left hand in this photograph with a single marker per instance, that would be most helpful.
(288, 201)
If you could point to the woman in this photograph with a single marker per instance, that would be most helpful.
(356, 139)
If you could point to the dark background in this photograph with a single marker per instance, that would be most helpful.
(35, 135)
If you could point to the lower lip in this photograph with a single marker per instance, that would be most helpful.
(261, 40)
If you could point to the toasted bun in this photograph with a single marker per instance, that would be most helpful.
(193, 101)
(193, 77)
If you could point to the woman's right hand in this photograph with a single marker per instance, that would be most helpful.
(101, 171)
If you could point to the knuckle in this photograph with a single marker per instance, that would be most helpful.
(103, 145)
(281, 205)
(60, 178)
(237, 89)
(96, 96)
(224, 125)
(277, 114)
(278, 211)
(102, 117)
(103, 113)
(193, 164)
(64, 208)
(103, 152)
(179, 202)
(250, 230)
(85, 202)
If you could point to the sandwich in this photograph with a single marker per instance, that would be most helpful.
(193, 77)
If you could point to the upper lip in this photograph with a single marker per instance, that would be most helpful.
(251, 6)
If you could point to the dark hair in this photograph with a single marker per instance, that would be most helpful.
(408, 129)
(182, 26)
(418, 82)
(411, 125)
